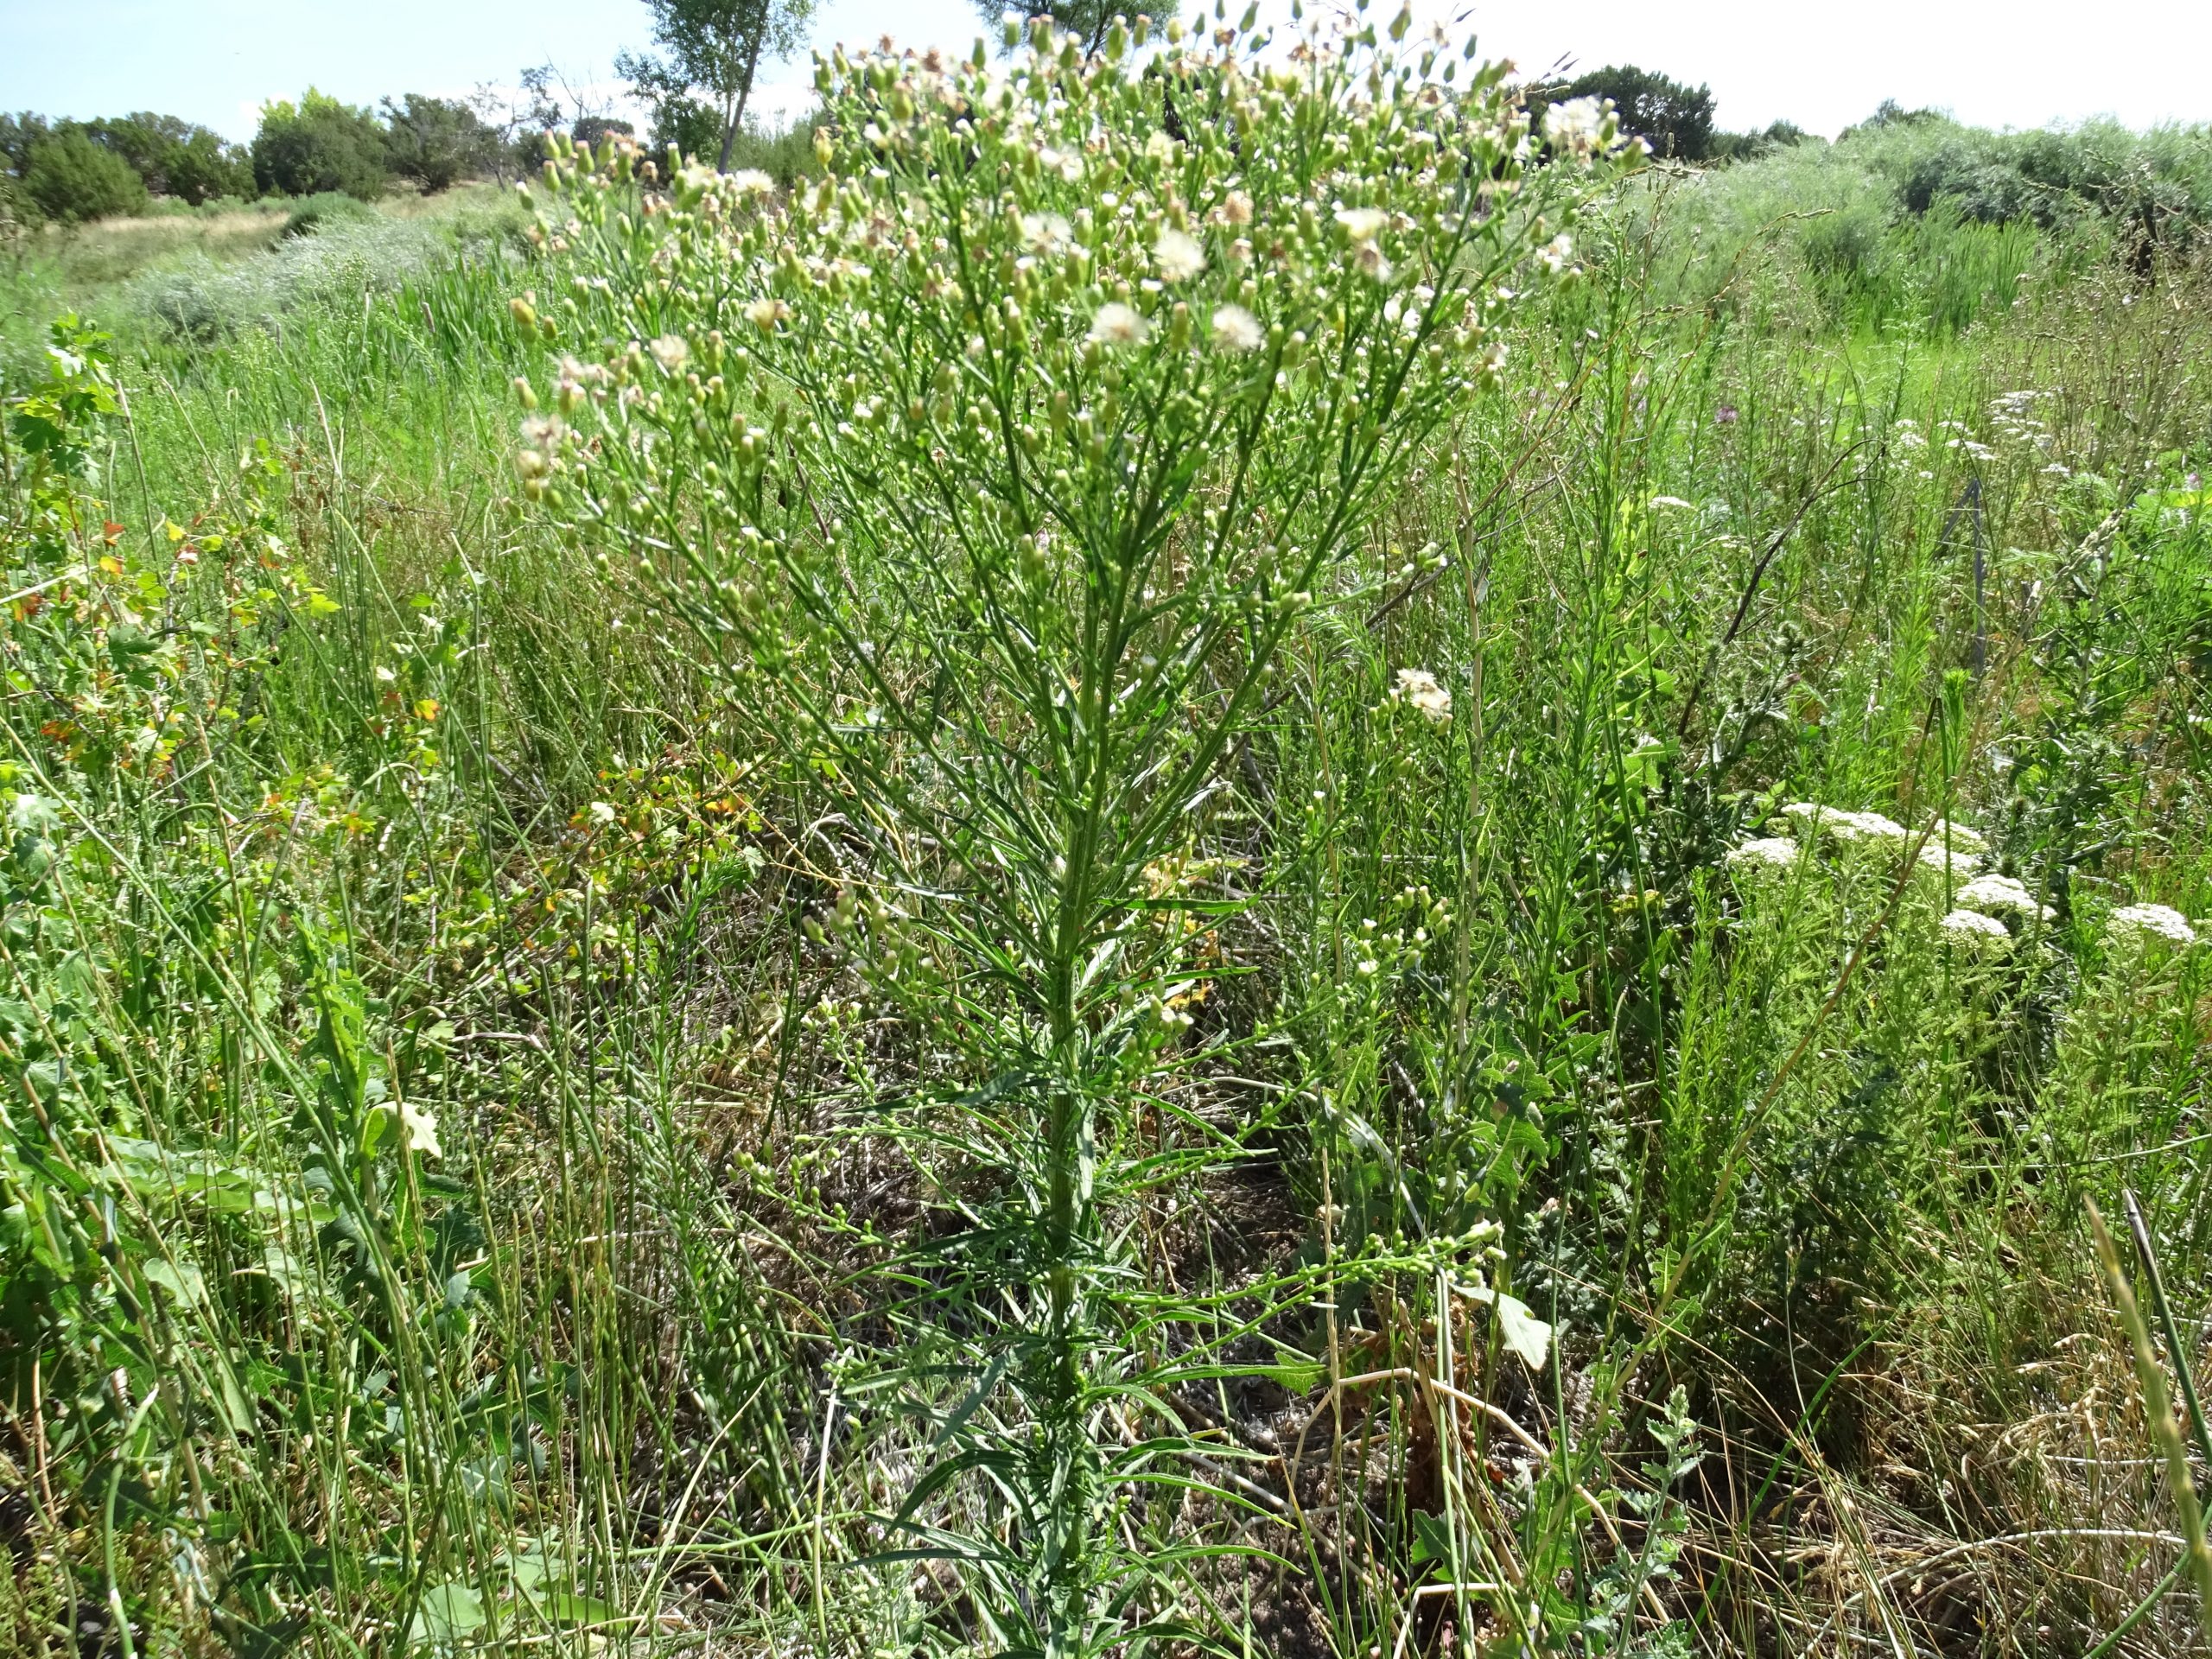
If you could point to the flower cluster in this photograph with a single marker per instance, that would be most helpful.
(2160, 922)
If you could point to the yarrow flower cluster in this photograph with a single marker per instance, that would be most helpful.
(1766, 852)
(2003, 894)
(2153, 922)
(1976, 929)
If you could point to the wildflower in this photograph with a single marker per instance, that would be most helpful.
(1976, 928)
(418, 1129)
(541, 431)
(1370, 263)
(1177, 256)
(670, 351)
(764, 314)
(602, 812)
(1119, 325)
(1423, 689)
(1555, 254)
(2002, 892)
(1725, 414)
(1963, 837)
(2144, 921)
(1047, 233)
(1236, 209)
(1954, 862)
(1362, 224)
(1159, 147)
(1869, 826)
(1669, 501)
(1771, 851)
(1580, 125)
(752, 181)
(1237, 329)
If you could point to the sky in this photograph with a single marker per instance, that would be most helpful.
(2017, 63)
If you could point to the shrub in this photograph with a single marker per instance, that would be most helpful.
(325, 208)
(319, 145)
(72, 179)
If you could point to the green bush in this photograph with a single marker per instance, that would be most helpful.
(325, 208)
(320, 145)
(72, 179)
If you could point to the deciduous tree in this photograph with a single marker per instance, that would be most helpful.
(709, 52)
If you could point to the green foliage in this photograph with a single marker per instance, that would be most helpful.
(437, 142)
(72, 179)
(530, 1112)
(175, 157)
(318, 145)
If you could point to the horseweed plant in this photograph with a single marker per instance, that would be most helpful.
(993, 468)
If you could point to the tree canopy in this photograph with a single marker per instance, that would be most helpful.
(709, 51)
(1671, 116)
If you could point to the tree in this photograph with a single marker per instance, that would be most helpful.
(710, 51)
(175, 157)
(320, 144)
(1674, 118)
(437, 142)
(1087, 20)
(72, 179)
(593, 130)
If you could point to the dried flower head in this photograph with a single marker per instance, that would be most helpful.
(1236, 329)
(1177, 256)
(1427, 695)
(1117, 324)
(672, 351)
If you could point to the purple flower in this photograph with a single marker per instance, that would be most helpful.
(1724, 415)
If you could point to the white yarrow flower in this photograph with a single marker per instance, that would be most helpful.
(1871, 826)
(2002, 892)
(1117, 324)
(2157, 921)
(1428, 696)
(1977, 929)
(1768, 852)
(1237, 329)
(1962, 838)
(1949, 861)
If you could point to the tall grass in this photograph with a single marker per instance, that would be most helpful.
(535, 1121)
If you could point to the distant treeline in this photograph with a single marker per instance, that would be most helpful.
(2154, 188)
(71, 171)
